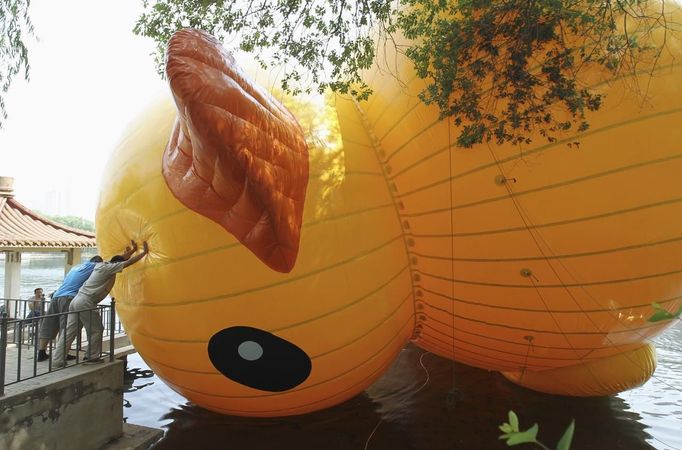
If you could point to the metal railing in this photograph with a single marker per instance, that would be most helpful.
(17, 308)
(19, 336)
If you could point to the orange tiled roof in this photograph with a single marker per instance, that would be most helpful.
(22, 228)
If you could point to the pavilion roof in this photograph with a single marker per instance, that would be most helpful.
(22, 228)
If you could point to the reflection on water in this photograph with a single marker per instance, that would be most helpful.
(458, 408)
(660, 401)
(129, 384)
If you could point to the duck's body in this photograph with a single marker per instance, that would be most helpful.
(542, 263)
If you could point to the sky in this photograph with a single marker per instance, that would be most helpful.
(90, 75)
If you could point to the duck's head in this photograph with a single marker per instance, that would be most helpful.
(257, 296)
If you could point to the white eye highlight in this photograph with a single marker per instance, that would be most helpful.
(250, 350)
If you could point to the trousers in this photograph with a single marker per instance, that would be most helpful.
(50, 326)
(82, 310)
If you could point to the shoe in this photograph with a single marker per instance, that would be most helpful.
(70, 357)
(43, 356)
(94, 361)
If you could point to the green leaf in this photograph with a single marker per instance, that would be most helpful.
(565, 441)
(523, 437)
(514, 421)
(661, 314)
(506, 428)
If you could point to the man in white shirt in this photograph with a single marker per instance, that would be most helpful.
(35, 303)
(93, 291)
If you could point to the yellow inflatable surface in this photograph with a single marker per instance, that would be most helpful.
(540, 262)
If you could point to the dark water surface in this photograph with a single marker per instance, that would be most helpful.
(423, 402)
(442, 405)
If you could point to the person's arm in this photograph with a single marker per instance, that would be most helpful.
(139, 256)
(129, 251)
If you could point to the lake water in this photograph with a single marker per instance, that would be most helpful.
(44, 270)
(423, 402)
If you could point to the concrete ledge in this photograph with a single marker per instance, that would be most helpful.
(122, 352)
(77, 408)
(135, 437)
(120, 340)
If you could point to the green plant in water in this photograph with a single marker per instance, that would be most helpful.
(662, 314)
(515, 436)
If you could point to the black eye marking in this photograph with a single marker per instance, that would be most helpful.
(258, 359)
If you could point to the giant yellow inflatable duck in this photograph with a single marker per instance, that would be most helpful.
(296, 251)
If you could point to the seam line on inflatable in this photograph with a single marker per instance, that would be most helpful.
(596, 85)
(291, 279)
(552, 146)
(393, 191)
(371, 357)
(537, 310)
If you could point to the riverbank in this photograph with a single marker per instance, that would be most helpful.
(77, 408)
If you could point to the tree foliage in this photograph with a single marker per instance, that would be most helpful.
(502, 70)
(15, 26)
(505, 68)
(320, 43)
(73, 221)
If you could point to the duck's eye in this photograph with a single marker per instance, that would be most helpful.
(258, 359)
